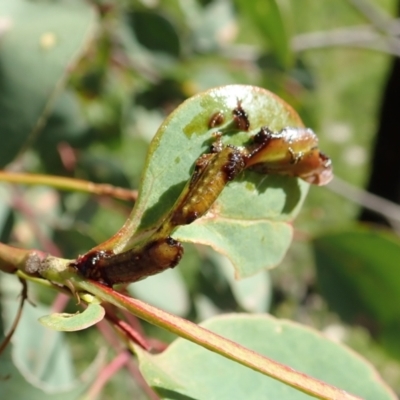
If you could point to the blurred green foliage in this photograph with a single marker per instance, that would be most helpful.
(85, 85)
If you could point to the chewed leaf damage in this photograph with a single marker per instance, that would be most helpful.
(292, 151)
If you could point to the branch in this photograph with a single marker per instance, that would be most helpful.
(368, 200)
(375, 15)
(59, 271)
(364, 37)
(14, 258)
(69, 184)
(216, 343)
(23, 297)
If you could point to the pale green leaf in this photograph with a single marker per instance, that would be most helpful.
(166, 290)
(250, 220)
(186, 371)
(362, 265)
(41, 42)
(272, 19)
(74, 322)
(38, 363)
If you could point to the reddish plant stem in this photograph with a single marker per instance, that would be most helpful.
(133, 369)
(14, 258)
(24, 296)
(107, 372)
(134, 322)
(109, 334)
(157, 346)
(25, 209)
(225, 347)
(131, 333)
(60, 302)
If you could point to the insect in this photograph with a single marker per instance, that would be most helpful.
(291, 151)
(216, 119)
(132, 265)
(211, 174)
(213, 171)
(240, 117)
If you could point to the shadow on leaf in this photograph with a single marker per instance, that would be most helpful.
(163, 205)
(171, 394)
(290, 186)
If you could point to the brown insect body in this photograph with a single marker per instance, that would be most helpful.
(88, 264)
(241, 118)
(212, 172)
(132, 265)
(216, 119)
(293, 152)
(210, 177)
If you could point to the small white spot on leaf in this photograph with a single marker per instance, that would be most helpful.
(48, 40)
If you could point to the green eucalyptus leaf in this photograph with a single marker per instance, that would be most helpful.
(41, 42)
(359, 275)
(38, 364)
(210, 33)
(19, 385)
(74, 322)
(155, 32)
(167, 291)
(273, 22)
(249, 222)
(254, 293)
(186, 371)
(250, 245)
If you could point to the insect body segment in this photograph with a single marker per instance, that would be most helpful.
(210, 177)
(88, 264)
(240, 118)
(292, 151)
(132, 265)
(216, 119)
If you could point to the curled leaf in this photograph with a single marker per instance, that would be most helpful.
(195, 172)
(74, 322)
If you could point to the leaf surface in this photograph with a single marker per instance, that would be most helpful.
(249, 221)
(38, 364)
(41, 42)
(186, 371)
(359, 275)
(273, 22)
(74, 322)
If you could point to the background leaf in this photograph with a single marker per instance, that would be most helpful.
(49, 37)
(155, 32)
(358, 273)
(40, 364)
(17, 386)
(254, 293)
(180, 373)
(210, 33)
(166, 290)
(272, 21)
